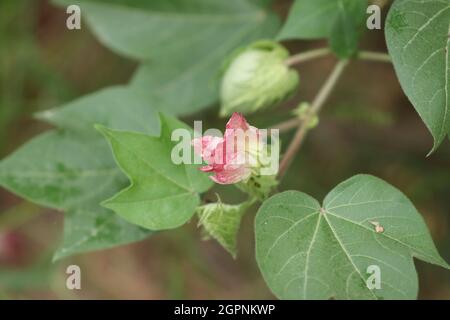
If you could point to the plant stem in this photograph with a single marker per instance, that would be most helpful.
(286, 125)
(374, 56)
(362, 55)
(306, 56)
(316, 106)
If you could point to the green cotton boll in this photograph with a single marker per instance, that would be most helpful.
(257, 78)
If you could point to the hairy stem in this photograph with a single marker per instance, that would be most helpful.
(316, 106)
(306, 56)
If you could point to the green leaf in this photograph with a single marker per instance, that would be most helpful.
(195, 82)
(221, 221)
(309, 20)
(171, 30)
(417, 35)
(182, 42)
(309, 251)
(58, 169)
(71, 168)
(92, 227)
(347, 28)
(117, 107)
(64, 167)
(316, 19)
(162, 195)
(195, 85)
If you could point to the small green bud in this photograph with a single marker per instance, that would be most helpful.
(302, 112)
(257, 78)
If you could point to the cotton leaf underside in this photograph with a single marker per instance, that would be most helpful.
(182, 43)
(162, 194)
(71, 168)
(418, 39)
(309, 251)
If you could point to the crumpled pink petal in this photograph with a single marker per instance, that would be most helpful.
(206, 146)
(237, 121)
(229, 165)
(231, 175)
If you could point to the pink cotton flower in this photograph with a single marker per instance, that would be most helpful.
(232, 157)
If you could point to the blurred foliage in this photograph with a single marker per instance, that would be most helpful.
(26, 83)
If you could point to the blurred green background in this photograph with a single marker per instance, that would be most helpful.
(368, 126)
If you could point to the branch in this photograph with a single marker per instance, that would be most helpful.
(316, 106)
(362, 55)
(286, 125)
(374, 56)
(306, 56)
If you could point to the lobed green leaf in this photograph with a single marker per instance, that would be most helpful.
(162, 194)
(309, 251)
(71, 168)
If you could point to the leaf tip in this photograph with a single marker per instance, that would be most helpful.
(102, 129)
(46, 115)
(56, 257)
(437, 142)
(106, 204)
(59, 254)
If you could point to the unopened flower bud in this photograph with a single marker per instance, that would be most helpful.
(303, 112)
(257, 78)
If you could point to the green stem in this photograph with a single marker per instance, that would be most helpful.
(374, 56)
(306, 56)
(286, 125)
(315, 108)
(362, 55)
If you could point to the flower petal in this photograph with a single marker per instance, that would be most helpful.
(206, 168)
(206, 146)
(237, 121)
(231, 176)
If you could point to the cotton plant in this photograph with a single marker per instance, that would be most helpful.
(107, 163)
